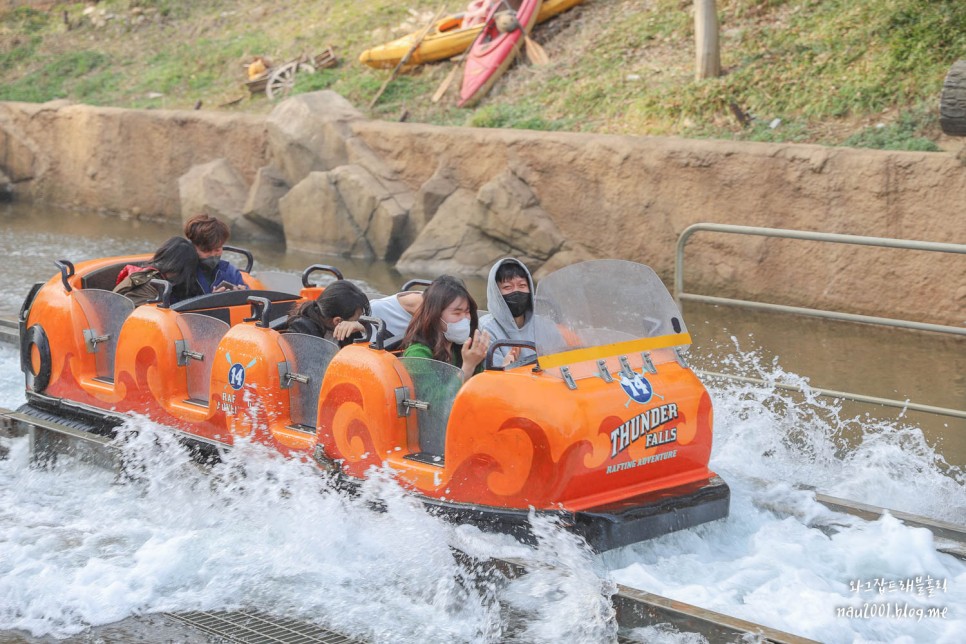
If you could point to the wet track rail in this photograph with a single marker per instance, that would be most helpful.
(9, 331)
(634, 608)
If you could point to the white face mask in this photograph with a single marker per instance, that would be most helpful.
(457, 332)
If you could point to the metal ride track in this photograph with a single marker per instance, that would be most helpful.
(9, 331)
(634, 608)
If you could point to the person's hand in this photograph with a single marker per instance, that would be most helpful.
(511, 356)
(474, 351)
(345, 328)
(225, 285)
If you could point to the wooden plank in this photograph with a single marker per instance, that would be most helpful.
(405, 59)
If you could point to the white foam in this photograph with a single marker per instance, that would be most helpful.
(78, 548)
(795, 573)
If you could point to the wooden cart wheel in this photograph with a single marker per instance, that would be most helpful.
(282, 79)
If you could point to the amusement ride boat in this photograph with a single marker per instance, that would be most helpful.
(607, 429)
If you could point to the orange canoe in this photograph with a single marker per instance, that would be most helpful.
(609, 430)
(496, 48)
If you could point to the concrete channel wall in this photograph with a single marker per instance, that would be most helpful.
(608, 196)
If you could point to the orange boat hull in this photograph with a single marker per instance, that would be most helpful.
(515, 440)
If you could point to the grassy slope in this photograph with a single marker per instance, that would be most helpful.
(853, 72)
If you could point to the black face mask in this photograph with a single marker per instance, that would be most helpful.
(210, 263)
(518, 302)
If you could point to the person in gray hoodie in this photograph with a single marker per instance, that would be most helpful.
(509, 300)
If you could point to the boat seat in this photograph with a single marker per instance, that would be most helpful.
(217, 305)
(279, 323)
(104, 278)
(394, 343)
(104, 315)
(229, 298)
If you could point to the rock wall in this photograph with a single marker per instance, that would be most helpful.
(124, 162)
(438, 199)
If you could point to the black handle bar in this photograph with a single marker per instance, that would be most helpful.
(523, 344)
(325, 268)
(66, 270)
(416, 282)
(163, 298)
(374, 332)
(261, 310)
(241, 251)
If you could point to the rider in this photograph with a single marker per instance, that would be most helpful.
(445, 327)
(175, 261)
(209, 234)
(334, 315)
(509, 298)
(397, 310)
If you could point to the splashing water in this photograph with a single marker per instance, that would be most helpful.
(78, 547)
(796, 570)
(257, 531)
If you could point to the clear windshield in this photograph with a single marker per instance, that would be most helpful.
(280, 281)
(306, 359)
(105, 312)
(603, 310)
(435, 384)
(201, 335)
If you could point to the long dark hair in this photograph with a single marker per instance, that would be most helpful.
(426, 327)
(177, 261)
(341, 299)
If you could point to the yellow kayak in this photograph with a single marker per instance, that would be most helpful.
(446, 39)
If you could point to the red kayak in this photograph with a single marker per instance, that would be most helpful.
(507, 25)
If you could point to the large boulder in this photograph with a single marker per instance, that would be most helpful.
(308, 133)
(214, 188)
(513, 214)
(346, 211)
(6, 188)
(261, 213)
(430, 197)
(468, 232)
(451, 243)
(373, 208)
(18, 159)
(314, 132)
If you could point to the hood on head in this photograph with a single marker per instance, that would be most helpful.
(495, 304)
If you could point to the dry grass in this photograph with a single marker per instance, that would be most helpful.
(830, 71)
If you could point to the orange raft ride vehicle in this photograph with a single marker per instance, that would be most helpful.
(606, 428)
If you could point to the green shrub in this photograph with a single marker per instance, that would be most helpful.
(27, 20)
(521, 117)
(906, 133)
(55, 79)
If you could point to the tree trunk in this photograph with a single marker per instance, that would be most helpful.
(708, 63)
(952, 103)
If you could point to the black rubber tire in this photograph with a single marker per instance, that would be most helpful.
(35, 336)
(952, 102)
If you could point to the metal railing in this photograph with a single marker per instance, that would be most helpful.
(883, 242)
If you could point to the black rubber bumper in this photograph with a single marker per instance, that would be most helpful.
(652, 515)
(610, 526)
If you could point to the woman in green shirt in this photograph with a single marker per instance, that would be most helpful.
(445, 327)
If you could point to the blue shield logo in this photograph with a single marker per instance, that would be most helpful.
(638, 388)
(236, 376)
